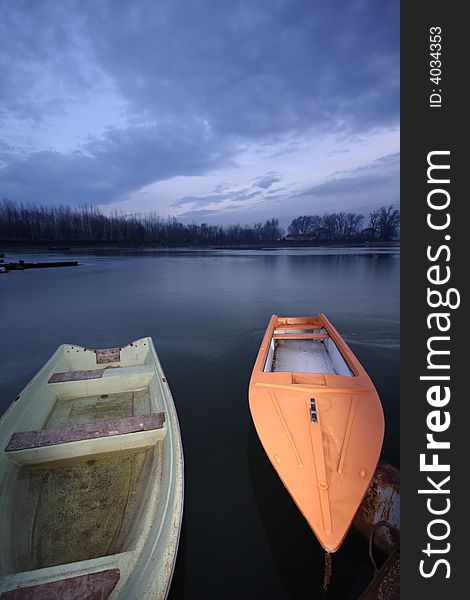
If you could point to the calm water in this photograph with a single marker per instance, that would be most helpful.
(207, 311)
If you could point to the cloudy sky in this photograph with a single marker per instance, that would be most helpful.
(208, 110)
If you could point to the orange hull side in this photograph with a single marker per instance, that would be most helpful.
(325, 465)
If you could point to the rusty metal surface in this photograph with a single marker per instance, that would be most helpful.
(76, 375)
(381, 503)
(93, 586)
(107, 355)
(86, 431)
(386, 582)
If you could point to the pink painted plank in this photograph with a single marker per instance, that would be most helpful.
(86, 431)
(93, 586)
(76, 375)
(108, 355)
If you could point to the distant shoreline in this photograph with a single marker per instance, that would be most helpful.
(90, 245)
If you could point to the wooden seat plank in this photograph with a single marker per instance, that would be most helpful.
(105, 373)
(92, 586)
(75, 433)
(108, 355)
(76, 375)
(299, 323)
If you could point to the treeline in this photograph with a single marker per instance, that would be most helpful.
(29, 223)
(383, 225)
(26, 223)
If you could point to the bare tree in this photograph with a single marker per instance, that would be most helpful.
(303, 225)
(385, 222)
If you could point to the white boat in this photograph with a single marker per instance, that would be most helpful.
(91, 479)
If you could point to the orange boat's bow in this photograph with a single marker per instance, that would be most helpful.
(322, 431)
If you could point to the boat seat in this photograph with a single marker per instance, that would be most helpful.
(65, 376)
(87, 439)
(76, 375)
(76, 384)
(300, 336)
(92, 586)
(288, 323)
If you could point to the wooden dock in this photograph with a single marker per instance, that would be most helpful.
(21, 265)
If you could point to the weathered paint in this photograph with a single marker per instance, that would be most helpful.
(86, 431)
(381, 503)
(94, 586)
(76, 375)
(108, 355)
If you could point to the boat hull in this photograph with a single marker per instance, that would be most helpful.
(322, 427)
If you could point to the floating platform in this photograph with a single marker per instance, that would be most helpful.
(21, 265)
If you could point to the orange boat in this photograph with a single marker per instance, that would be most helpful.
(320, 420)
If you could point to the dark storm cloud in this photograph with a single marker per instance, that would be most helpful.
(106, 169)
(198, 215)
(42, 52)
(235, 196)
(345, 185)
(225, 197)
(254, 69)
(231, 73)
(266, 181)
(363, 180)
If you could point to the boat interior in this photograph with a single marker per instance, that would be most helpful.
(81, 459)
(305, 347)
